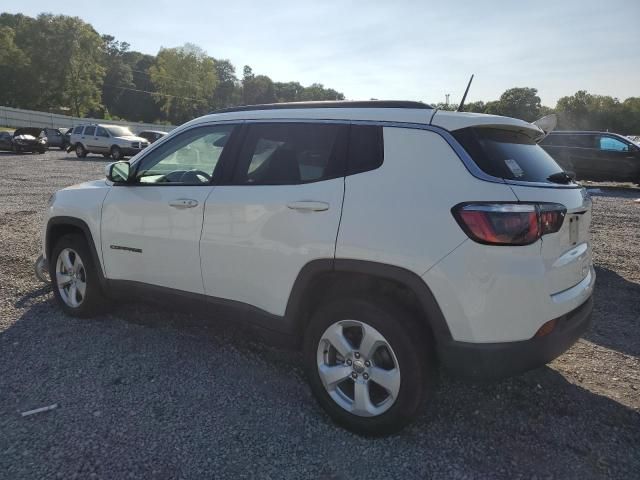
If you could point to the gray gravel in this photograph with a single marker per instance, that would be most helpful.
(151, 392)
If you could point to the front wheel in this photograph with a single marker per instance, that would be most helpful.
(74, 277)
(116, 153)
(367, 364)
(80, 151)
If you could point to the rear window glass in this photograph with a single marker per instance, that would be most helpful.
(507, 154)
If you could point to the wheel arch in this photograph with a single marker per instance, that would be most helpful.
(320, 280)
(57, 227)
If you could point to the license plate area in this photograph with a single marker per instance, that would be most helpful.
(574, 229)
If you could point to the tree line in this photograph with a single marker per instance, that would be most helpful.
(61, 64)
(580, 111)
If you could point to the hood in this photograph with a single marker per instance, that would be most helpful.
(101, 183)
(133, 138)
(33, 131)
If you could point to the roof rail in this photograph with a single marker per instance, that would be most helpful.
(329, 104)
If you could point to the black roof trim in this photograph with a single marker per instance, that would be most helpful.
(583, 132)
(329, 104)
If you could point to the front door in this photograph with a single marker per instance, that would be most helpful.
(615, 160)
(151, 227)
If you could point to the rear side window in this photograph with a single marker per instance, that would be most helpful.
(507, 154)
(366, 148)
(89, 131)
(291, 153)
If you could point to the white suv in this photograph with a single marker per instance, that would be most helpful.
(385, 237)
(109, 140)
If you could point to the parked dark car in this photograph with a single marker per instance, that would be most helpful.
(595, 155)
(28, 139)
(6, 140)
(55, 137)
(152, 135)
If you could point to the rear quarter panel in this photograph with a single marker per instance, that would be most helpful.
(400, 213)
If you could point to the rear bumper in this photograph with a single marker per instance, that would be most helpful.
(499, 360)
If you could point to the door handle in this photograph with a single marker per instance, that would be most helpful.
(182, 203)
(308, 206)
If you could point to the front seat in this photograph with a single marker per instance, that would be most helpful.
(282, 168)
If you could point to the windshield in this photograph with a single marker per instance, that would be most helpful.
(117, 131)
(508, 154)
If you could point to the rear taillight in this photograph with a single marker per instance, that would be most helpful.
(509, 223)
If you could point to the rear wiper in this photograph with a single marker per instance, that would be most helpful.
(560, 177)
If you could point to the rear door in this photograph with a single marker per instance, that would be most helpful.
(581, 155)
(89, 139)
(102, 139)
(279, 210)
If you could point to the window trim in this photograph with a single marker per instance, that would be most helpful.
(446, 135)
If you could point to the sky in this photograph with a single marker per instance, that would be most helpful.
(394, 49)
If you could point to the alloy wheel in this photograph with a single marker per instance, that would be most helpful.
(358, 368)
(71, 278)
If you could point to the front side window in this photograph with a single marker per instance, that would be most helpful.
(291, 153)
(101, 132)
(612, 144)
(77, 130)
(189, 158)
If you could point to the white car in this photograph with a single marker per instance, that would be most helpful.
(385, 237)
(112, 141)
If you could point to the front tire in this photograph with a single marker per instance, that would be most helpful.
(116, 153)
(368, 364)
(74, 277)
(81, 152)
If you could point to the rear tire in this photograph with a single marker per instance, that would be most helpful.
(402, 349)
(74, 277)
(81, 152)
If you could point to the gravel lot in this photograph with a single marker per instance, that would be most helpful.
(150, 392)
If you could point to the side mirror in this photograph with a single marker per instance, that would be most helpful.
(118, 172)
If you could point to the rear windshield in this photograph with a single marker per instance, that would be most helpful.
(507, 154)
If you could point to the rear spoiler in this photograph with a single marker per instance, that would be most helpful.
(547, 124)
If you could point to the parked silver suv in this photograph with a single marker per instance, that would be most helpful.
(110, 140)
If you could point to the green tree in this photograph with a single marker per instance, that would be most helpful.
(316, 92)
(227, 91)
(118, 77)
(13, 62)
(523, 103)
(287, 91)
(185, 80)
(257, 89)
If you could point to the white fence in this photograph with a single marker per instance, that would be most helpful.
(16, 117)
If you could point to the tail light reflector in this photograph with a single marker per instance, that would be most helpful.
(509, 223)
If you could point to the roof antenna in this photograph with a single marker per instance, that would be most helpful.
(464, 97)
